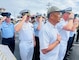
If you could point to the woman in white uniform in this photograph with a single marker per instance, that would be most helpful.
(26, 37)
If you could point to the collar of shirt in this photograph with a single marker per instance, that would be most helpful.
(7, 23)
(51, 25)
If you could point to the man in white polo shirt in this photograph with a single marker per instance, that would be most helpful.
(49, 36)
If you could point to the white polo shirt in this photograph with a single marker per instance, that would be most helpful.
(47, 36)
(26, 33)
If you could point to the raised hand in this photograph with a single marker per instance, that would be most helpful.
(71, 15)
(40, 19)
(24, 17)
(2, 19)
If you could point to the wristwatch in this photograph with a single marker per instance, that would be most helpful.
(70, 18)
(58, 41)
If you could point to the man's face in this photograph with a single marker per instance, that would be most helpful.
(56, 16)
(8, 19)
(28, 16)
(38, 18)
(66, 16)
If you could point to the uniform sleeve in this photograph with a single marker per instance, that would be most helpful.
(60, 25)
(35, 26)
(0, 26)
(44, 39)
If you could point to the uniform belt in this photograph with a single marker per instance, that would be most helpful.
(36, 36)
(8, 38)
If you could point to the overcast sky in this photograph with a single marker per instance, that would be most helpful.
(15, 6)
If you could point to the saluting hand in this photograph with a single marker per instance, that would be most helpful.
(24, 17)
(2, 19)
(76, 20)
(40, 19)
(71, 15)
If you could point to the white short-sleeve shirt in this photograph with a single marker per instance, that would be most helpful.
(47, 36)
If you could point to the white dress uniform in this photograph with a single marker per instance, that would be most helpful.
(47, 36)
(26, 45)
(65, 37)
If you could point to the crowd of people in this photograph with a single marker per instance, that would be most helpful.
(41, 38)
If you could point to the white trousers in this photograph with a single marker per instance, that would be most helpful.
(62, 50)
(26, 50)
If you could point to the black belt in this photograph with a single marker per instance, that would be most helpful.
(8, 38)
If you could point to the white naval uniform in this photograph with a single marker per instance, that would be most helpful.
(48, 35)
(26, 45)
(65, 37)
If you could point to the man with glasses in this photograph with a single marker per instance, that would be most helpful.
(49, 37)
(7, 30)
(26, 36)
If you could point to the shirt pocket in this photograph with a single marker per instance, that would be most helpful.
(5, 27)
